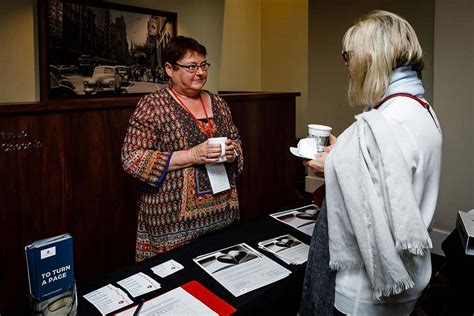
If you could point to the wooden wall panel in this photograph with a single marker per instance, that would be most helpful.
(60, 172)
(266, 125)
(72, 182)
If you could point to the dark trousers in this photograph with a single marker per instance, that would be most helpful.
(319, 282)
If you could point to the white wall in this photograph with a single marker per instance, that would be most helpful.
(17, 55)
(285, 52)
(241, 46)
(453, 102)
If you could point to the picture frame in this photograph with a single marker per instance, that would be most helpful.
(99, 50)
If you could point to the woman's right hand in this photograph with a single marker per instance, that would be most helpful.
(205, 153)
(332, 142)
(317, 164)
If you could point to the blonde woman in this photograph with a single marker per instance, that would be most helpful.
(382, 180)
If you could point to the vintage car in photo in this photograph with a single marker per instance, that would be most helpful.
(58, 89)
(104, 79)
(59, 74)
(124, 74)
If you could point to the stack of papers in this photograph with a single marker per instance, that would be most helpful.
(110, 298)
(302, 218)
(241, 269)
(287, 248)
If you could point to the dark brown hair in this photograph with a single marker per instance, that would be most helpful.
(179, 46)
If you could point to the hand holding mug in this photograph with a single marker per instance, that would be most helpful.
(206, 152)
(317, 164)
(214, 150)
(222, 142)
(230, 152)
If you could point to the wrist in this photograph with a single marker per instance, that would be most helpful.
(190, 156)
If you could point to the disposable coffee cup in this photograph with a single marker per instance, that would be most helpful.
(321, 135)
(221, 141)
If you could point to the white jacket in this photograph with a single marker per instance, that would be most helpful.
(420, 141)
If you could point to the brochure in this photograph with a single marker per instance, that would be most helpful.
(52, 285)
(108, 298)
(287, 248)
(139, 284)
(166, 268)
(241, 269)
(302, 218)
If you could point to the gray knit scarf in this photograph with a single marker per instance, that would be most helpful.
(373, 215)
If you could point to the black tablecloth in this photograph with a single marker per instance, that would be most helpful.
(282, 296)
(460, 272)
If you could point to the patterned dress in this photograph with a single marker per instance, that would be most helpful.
(175, 207)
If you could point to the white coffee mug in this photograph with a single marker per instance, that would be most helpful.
(321, 134)
(221, 141)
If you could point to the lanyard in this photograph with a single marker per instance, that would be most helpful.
(207, 130)
(424, 104)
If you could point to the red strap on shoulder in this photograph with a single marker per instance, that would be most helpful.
(411, 96)
(424, 104)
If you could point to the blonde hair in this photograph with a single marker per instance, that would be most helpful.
(377, 44)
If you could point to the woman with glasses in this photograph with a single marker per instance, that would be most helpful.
(370, 249)
(166, 147)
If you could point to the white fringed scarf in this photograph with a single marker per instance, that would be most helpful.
(373, 216)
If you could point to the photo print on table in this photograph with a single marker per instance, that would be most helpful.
(302, 218)
(227, 258)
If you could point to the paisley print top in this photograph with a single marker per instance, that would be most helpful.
(175, 207)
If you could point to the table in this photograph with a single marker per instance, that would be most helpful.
(282, 296)
(459, 270)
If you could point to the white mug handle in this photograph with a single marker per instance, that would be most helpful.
(222, 150)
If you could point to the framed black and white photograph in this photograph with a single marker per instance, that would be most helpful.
(101, 49)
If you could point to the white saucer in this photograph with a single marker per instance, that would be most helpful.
(296, 152)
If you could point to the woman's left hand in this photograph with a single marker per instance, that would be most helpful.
(317, 164)
(230, 150)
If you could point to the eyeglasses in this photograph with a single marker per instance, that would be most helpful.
(194, 68)
(346, 55)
